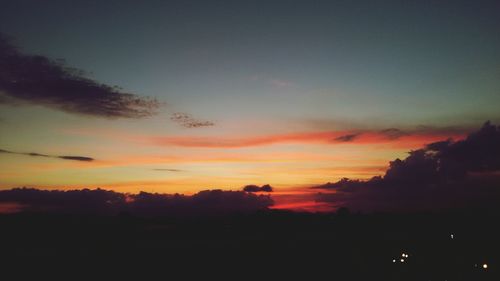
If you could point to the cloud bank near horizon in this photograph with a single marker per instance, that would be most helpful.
(106, 202)
(442, 175)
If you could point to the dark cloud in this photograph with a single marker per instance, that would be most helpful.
(256, 188)
(74, 158)
(445, 174)
(98, 201)
(347, 138)
(187, 121)
(27, 79)
(344, 183)
(203, 202)
(72, 201)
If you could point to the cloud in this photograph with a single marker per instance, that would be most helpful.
(187, 121)
(167, 170)
(203, 202)
(28, 79)
(74, 158)
(393, 133)
(347, 138)
(443, 174)
(72, 201)
(256, 188)
(410, 138)
(229, 142)
(99, 201)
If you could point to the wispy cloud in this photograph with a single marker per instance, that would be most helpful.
(64, 157)
(188, 121)
(167, 170)
(347, 138)
(402, 138)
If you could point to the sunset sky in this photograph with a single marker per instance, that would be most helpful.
(288, 93)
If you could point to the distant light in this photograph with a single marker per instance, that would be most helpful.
(485, 266)
(402, 260)
(452, 236)
(393, 260)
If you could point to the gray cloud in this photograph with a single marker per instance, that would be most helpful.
(347, 138)
(256, 188)
(64, 157)
(99, 201)
(29, 79)
(187, 121)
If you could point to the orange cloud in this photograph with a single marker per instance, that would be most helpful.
(396, 138)
(409, 139)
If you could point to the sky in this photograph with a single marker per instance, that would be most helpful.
(222, 94)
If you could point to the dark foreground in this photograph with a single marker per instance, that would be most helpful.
(267, 245)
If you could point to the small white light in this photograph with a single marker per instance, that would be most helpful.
(485, 266)
(452, 236)
(402, 260)
(393, 260)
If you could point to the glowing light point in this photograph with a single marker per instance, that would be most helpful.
(485, 266)
(393, 260)
(451, 236)
(402, 260)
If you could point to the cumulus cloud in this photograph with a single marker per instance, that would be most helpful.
(98, 201)
(64, 157)
(188, 121)
(256, 188)
(29, 79)
(442, 174)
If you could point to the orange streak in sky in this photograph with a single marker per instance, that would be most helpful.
(411, 140)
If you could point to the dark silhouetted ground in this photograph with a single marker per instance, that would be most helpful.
(270, 244)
